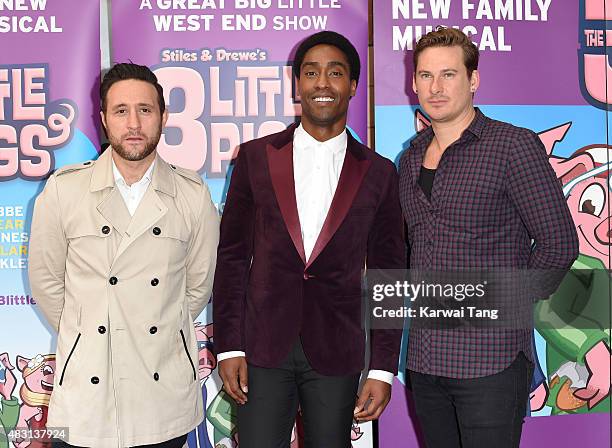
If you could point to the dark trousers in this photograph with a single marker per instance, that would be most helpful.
(177, 442)
(326, 402)
(473, 413)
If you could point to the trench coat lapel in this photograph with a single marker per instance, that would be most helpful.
(115, 211)
(112, 206)
(151, 208)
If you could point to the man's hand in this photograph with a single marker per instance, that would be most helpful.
(233, 372)
(372, 401)
(599, 362)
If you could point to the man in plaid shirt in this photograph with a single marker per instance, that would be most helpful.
(476, 194)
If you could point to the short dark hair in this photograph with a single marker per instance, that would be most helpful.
(129, 70)
(328, 38)
(448, 37)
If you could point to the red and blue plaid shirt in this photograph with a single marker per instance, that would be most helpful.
(494, 192)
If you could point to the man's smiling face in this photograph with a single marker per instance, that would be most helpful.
(325, 87)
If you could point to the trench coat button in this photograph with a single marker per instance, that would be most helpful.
(156, 231)
(156, 376)
(95, 380)
(153, 330)
(87, 163)
(101, 329)
(106, 230)
(173, 167)
(113, 281)
(154, 282)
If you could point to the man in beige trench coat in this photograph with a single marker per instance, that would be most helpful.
(122, 258)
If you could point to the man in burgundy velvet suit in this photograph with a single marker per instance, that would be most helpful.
(306, 210)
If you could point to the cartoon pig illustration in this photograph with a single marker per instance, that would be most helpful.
(356, 432)
(38, 374)
(575, 320)
(9, 406)
(198, 438)
(222, 413)
(207, 361)
(585, 178)
(596, 76)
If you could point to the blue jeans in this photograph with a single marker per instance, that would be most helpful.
(473, 413)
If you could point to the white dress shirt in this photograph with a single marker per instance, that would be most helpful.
(316, 170)
(133, 194)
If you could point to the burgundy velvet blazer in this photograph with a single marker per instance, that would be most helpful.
(266, 294)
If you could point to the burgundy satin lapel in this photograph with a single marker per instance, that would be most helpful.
(351, 176)
(280, 164)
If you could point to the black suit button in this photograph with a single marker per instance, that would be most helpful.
(113, 281)
(154, 282)
(153, 330)
(106, 230)
(156, 231)
(95, 380)
(156, 376)
(101, 329)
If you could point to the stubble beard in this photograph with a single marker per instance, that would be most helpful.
(134, 155)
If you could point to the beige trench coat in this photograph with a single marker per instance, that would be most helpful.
(122, 292)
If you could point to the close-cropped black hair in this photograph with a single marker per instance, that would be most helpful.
(328, 38)
(129, 70)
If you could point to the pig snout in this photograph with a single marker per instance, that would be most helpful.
(603, 232)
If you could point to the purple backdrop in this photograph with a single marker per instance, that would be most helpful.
(533, 74)
(216, 104)
(128, 21)
(49, 71)
(556, 67)
(73, 55)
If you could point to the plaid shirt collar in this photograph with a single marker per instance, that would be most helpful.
(476, 127)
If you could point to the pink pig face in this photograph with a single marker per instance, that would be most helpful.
(356, 432)
(38, 373)
(587, 202)
(586, 183)
(206, 356)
